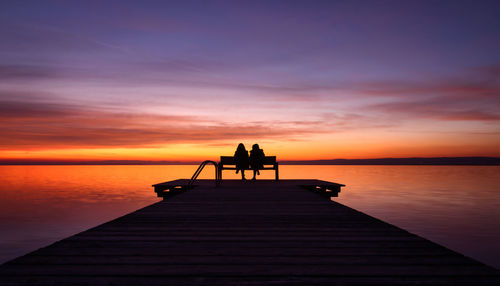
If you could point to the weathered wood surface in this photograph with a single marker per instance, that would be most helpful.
(252, 233)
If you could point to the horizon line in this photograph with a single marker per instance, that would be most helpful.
(468, 160)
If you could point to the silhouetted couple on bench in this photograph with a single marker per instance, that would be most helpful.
(243, 161)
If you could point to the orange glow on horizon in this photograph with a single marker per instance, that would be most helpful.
(284, 151)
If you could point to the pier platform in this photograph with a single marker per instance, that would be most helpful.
(284, 232)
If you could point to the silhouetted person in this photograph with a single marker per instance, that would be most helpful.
(241, 158)
(256, 159)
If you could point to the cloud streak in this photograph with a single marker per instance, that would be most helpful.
(26, 72)
(24, 124)
(473, 98)
(434, 109)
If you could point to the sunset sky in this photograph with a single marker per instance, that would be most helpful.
(189, 80)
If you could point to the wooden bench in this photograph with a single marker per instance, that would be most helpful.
(229, 163)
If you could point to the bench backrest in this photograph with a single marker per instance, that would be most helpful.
(229, 160)
(269, 160)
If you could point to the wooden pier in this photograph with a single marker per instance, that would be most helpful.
(246, 233)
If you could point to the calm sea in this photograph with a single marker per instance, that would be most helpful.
(456, 206)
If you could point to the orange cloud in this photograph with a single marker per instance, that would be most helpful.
(28, 125)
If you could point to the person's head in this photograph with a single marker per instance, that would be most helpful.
(241, 147)
(255, 147)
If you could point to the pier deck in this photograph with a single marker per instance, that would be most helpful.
(253, 233)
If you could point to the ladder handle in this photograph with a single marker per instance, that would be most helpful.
(200, 168)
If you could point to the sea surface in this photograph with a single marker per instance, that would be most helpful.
(455, 206)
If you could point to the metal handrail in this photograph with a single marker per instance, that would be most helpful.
(200, 168)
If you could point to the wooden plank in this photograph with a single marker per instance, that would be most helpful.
(243, 259)
(263, 280)
(240, 251)
(249, 269)
(252, 233)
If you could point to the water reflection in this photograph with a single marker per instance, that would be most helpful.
(457, 206)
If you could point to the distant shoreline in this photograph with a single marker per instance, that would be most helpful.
(436, 161)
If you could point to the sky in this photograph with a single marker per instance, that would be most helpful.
(189, 80)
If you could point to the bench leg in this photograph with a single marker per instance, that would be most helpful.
(277, 173)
